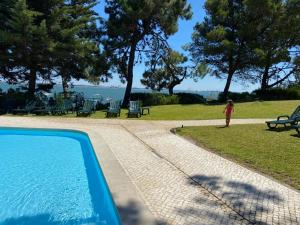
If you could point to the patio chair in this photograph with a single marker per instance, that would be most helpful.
(29, 107)
(86, 110)
(291, 120)
(59, 109)
(297, 127)
(68, 104)
(134, 108)
(43, 110)
(114, 109)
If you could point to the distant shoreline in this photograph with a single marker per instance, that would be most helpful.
(111, 92)
(104, 86)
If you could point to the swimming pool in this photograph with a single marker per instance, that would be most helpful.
(52, 177)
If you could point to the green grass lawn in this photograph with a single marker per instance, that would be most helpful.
(271, 152)
(267, 109)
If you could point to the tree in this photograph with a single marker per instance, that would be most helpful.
(46, 39)
(137, 29)
(277, 28)
(26, 44)
(220, 40)
(297, 72)
(249, 40)
(172, 70)
(5, 16)
(77, 52)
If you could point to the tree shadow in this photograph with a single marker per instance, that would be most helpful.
(131, 215)
(246, 200)
(209, 216)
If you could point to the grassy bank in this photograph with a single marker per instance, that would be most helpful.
(267, 109)
(270, 152)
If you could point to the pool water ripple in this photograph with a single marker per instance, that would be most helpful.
(51, 178)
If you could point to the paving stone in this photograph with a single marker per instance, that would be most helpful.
(181, 183)
(257, 198)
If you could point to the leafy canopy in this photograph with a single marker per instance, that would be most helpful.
(168, 71)
(141, 25)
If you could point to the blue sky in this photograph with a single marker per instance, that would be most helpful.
(182, 37)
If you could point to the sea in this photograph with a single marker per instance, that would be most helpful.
(105, 93)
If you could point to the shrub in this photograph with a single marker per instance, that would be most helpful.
(2, 110)
(12, 99)
(154, 98)
(15, 99)
(238, 97)
(291, 93)
(190, 98)
(164, 99)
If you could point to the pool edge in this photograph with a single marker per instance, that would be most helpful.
(121, 187)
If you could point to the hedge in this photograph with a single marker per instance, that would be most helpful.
(290, 93)
(150, 99)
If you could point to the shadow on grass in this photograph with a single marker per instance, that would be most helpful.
(280, 129)
(284, 129)
(245, 199)
(131, 115)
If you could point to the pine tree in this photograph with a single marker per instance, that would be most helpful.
(5, 16)
(77, 52)
(277, 31)
(27, 45)
(168, 71)
(137, 29)
(220, 40)
(249, 40)
(45, 39)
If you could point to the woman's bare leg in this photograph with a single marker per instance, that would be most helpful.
(227, 121)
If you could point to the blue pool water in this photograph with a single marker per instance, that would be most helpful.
(52, 177)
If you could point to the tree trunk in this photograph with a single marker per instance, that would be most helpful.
(171, 90)
(264, 80)
(173, 84)
(127, 91)
(65, 86)
(231, 70)
(32, 83)
(227, 86)
(129, 77)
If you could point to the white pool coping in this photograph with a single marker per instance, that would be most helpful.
(131, 207)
